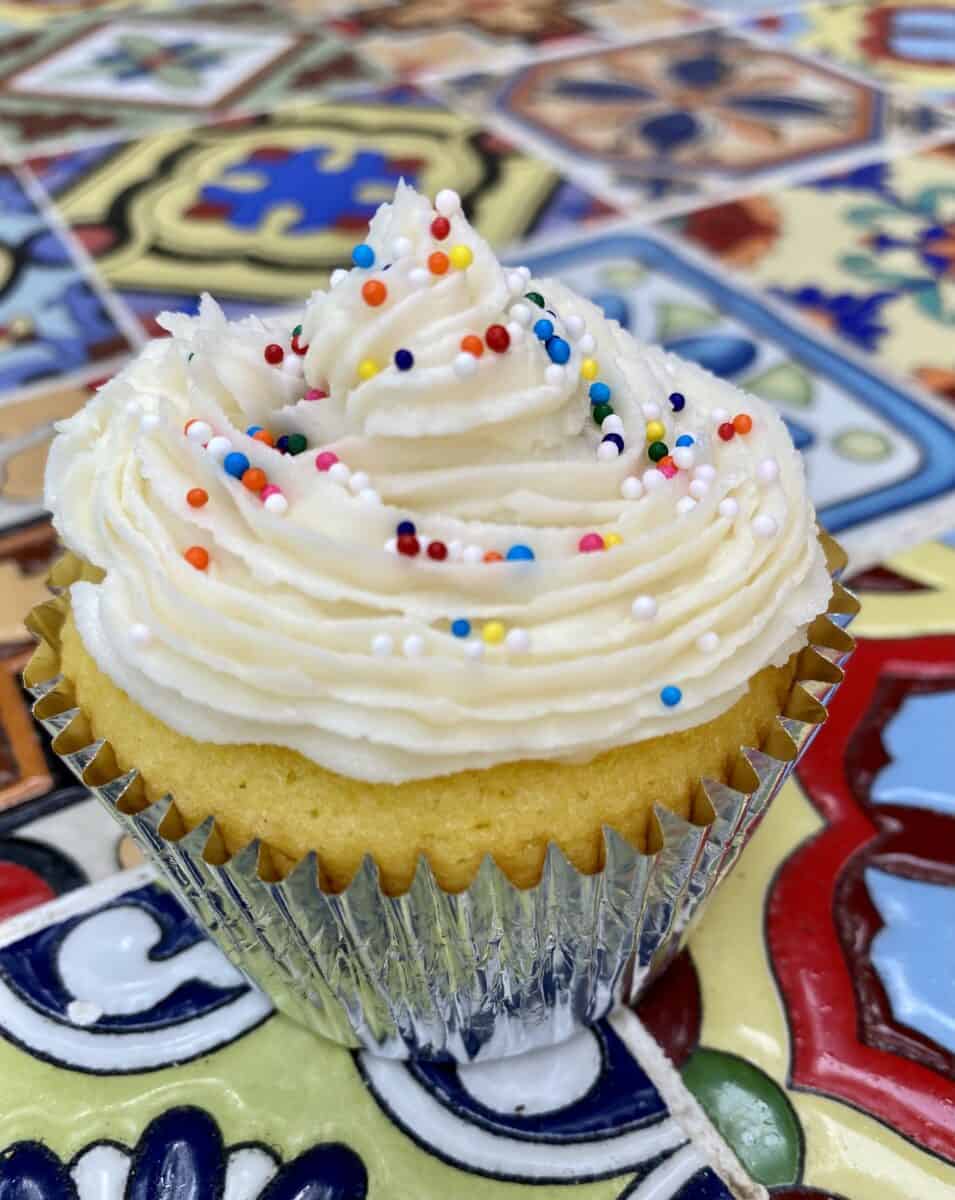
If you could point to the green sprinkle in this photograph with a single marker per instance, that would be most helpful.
(296, 331)
(535, 298)
(297, 443)
(600, 412)
(657, 450)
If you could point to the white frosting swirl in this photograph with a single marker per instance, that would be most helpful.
(308, 630)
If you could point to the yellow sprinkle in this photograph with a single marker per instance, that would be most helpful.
(588, 368)
(656, 431)
(493, 632)
(612, 539)
(461, 256)
(367, 368)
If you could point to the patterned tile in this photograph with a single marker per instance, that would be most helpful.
(88, 80)
(874, 452)
(905, 42)
(53, 318)
(866, 253)
(667, 119)
(259, 211)
(825, 964)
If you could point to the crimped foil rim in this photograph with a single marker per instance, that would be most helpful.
(655, 893)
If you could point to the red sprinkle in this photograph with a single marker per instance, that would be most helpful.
(326, 460)
(408, 544)
(726, 431)
(669, 469)
(497, 338)
(315, 394)
(590, 542)
(440, 228)
(297, 346)
(437, 550)
(274, 354)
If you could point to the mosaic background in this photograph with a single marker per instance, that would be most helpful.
(767, 189)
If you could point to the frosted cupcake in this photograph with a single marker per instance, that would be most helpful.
(455, 568)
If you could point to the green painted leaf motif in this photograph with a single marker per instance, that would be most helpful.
(868, 214)
(929, 200)
(867, 268)
(137, 45)
(929, 300)
(674, 319)
(785, 383)
(750, 1111)
(174, 75)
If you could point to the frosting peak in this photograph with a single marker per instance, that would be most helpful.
(453, 518)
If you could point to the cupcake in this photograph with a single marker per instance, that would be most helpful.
(445, 590)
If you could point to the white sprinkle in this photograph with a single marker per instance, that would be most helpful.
(612, 424)
(631, 488)
(339, 472)
(473, 554)
(526, 272)
(518, 641)
(644, 608)
(474, 650)
(705, 471)
(698, 489)
(515, 283)
(277, 504)
(132, 408)
(149, 423)
(447, 202)
(516, 332)
(413, 645)
(382, 645)
(650, 410)
(400, 247)
(684, 457)
(358, 481)
(554, 374)
(520, 313)
(652, 479)
(587, 344)
(423, 543)
(685, 504)
(337, 276)
(218, 447)
(369, 496)
(418, 277)
(706, 643)
(768, 470)
(465, 364)
(455, 549)
(764, 525)
(719, 415)
(392, 545)
(608, 451)
(140, 635)
(574, 325)
(83, 1012)
(729, 508)
(199, 432)
(293, 364)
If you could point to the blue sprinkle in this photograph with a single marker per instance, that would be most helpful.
(671, 696)
(282, 444)
(520, 553)
(544, 329)
(253, 430)
(599, 393)
(406, 529)
(363, 255)
(236, 464)
(461, 628)
(404, 360)
(677, 401)
(616, 439)
(558, 349)
(684, 440)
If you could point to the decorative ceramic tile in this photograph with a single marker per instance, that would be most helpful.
(874, 451)
(53, 318)
(134, 1054)
(867, 254)
(826, 962)
(908, 42)
(260, 211)
(684, 115)
(85, 80)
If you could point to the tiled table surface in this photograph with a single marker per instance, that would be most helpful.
(767, 189)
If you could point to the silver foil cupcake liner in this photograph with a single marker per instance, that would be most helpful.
(486, 972)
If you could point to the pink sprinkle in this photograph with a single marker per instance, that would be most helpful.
(668, 469)
(590, 542)
(269, 490)
(326, 460)
(315, 394)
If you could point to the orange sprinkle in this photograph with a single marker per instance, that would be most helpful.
(374, 292)
(472, 344)
(263, 436)
(742, 422)
(254, 479)
(666, 461)
(196, 497)
(197, 557)
(493, 556)
(438, 262)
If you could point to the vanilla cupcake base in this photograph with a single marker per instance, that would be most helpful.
(510, 811)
